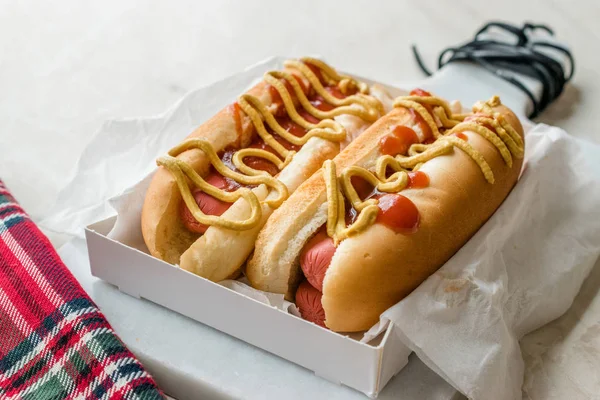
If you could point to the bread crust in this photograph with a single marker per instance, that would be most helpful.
(219, 253)
(274, 267)
(375, 269)
(164, 233)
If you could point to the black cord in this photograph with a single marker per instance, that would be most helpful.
(505, 60)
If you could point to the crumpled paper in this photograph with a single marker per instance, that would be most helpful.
(520, 271)
(124, 151)
(127, 230)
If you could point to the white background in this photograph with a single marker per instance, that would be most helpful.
(65, 67)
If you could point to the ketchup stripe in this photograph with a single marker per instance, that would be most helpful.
(259, 163)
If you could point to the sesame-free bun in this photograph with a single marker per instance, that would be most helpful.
(378, 267)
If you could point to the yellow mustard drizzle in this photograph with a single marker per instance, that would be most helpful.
(360, 104)
(336, 207)
(505, 138)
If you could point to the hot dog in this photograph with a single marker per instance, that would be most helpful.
(395, 205)
(308, 301)
(316, 257)
(206, 203)
(213, 192)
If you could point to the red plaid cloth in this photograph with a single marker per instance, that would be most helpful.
(54, 342)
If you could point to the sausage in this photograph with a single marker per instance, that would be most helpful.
(208, 204)
(245, 125)
(405, 238)
(316, 257)
(308, 301)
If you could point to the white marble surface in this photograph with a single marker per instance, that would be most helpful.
(67, 67)
(192, 360)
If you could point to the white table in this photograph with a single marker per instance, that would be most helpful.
(66, 69)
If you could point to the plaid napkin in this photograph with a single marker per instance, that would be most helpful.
(54, 342)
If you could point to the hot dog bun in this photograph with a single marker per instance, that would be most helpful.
(275, 267)
(377, 267)
(162, 229)
(220, 253)
(215, 252)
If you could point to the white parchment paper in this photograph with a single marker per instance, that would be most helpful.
(520, 271)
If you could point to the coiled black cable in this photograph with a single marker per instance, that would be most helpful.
(505, 59)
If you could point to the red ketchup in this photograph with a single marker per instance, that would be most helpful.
(480, 115)
(363, 188)
(307, 116)
(308, 301)
(265, 165)
(420, 92)
(351, 213)
(365, 191)
(475, 116)
(208, 204)
(316, 257)
(226, 158)
(276, 97)
(260, 163)
(305, 89)
(293, 128)
(319, 102)
(417, 180)
(462, 136)
(398, 213)
(335, 92)
(316, 71)
(420, 121)
(423, 125)
(236, 110)
(399, 141)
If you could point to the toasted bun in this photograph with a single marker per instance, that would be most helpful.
(274, 266)
(165, 235)
(375, 269)
(220, 253)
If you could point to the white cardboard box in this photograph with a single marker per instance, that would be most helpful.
(340, 359)
(335, 357)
